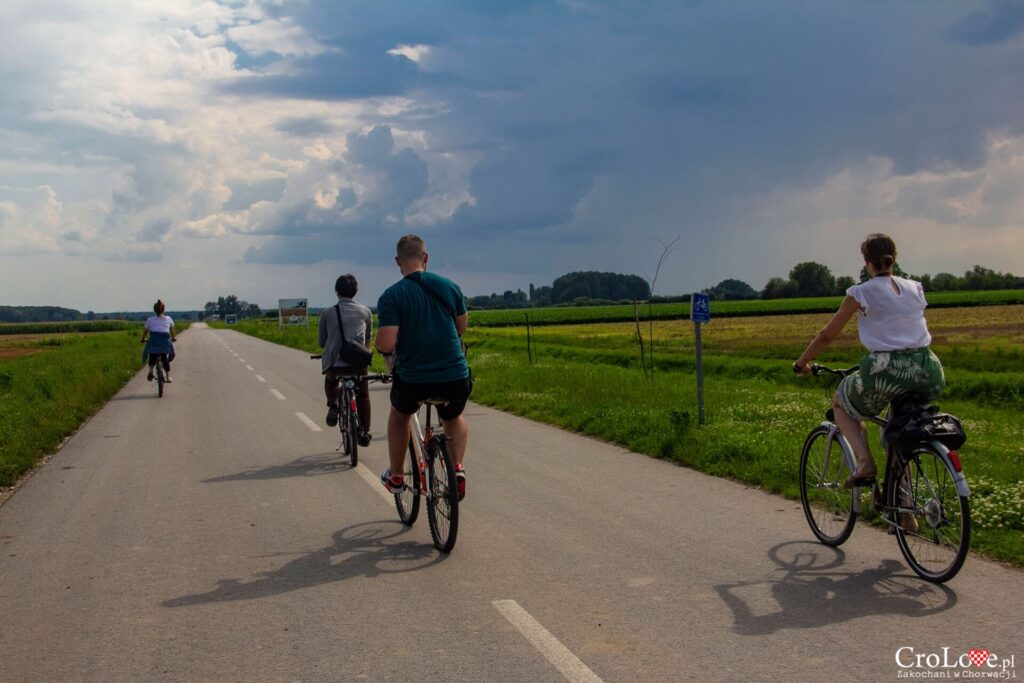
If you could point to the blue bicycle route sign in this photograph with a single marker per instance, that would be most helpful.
(700, 308)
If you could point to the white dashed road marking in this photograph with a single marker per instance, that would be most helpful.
(248, 367)
(565, 661)
(260, 378)
(374, 482)
(313, 427)
(278, 395)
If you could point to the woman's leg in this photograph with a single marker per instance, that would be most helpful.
(857, 435)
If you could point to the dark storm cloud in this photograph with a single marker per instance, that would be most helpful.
(245, 194)
(591, 125)
(345, 75)
(1000, 21)
(305, 126)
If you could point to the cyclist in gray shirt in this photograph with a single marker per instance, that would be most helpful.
(358, 324)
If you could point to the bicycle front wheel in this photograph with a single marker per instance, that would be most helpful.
(933, 521)
(828, 505)
(408, 501)
(443, 501)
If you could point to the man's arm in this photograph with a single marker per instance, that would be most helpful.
(461, 323)
(386, 339)
(321, 329)
(385, 342)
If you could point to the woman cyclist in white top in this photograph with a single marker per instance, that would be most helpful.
(892, 327)
(160, 329)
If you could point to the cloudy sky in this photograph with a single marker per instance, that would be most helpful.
(192, 148)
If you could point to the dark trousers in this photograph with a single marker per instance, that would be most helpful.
(162, 357)
(331, 385)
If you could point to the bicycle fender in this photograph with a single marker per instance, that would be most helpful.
(958, 477)
(851, 459)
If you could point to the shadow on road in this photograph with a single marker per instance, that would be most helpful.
(137, 397)
(306, 466)
(367, 549)
(810, 593)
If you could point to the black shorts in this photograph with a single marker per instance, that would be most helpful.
(407, 397)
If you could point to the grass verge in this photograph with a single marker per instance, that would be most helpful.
(45, 396)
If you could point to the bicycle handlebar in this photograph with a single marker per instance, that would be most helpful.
(317, 356)
(817, 369)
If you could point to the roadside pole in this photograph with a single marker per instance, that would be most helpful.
(700, 312)
(529, 350)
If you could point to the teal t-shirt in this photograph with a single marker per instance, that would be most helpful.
(429, 349)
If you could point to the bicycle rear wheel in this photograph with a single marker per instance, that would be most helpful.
(933, 526)
(828, 506)
(351, 430)
(160, 379)
(408, 501)
(443, 501)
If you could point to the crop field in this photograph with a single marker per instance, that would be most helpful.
(756, 307)
(68, 326)
(589, 378)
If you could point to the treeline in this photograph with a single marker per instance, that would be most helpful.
(810, 279)
(807, 279)
(577, 288)
(37, 314)
(231, 304)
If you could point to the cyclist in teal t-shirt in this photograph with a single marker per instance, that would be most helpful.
(421, 319)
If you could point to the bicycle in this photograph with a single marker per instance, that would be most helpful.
(161, 378)
(348, 412)
(922, 499)
(430, 461)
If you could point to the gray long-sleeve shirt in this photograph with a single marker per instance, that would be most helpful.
(358, 322)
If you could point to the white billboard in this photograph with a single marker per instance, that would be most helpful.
(292, 312)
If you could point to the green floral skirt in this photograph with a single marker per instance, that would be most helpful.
(886, 375)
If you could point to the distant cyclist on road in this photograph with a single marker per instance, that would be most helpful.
(160, 330)
(357, 322)
(422, 318)
(892, 327)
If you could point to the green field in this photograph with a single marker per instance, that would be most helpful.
(50, 384)
(755, 307)
(68, 326)
(588, 378)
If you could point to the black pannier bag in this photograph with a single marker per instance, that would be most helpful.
(913, 425)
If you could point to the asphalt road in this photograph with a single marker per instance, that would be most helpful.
(214, 535)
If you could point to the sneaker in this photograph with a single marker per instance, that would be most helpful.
(364, 438)
(460, 480)
(332, 415)
(149, 375)
(394, 483)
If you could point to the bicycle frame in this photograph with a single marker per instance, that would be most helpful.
(421, 436)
